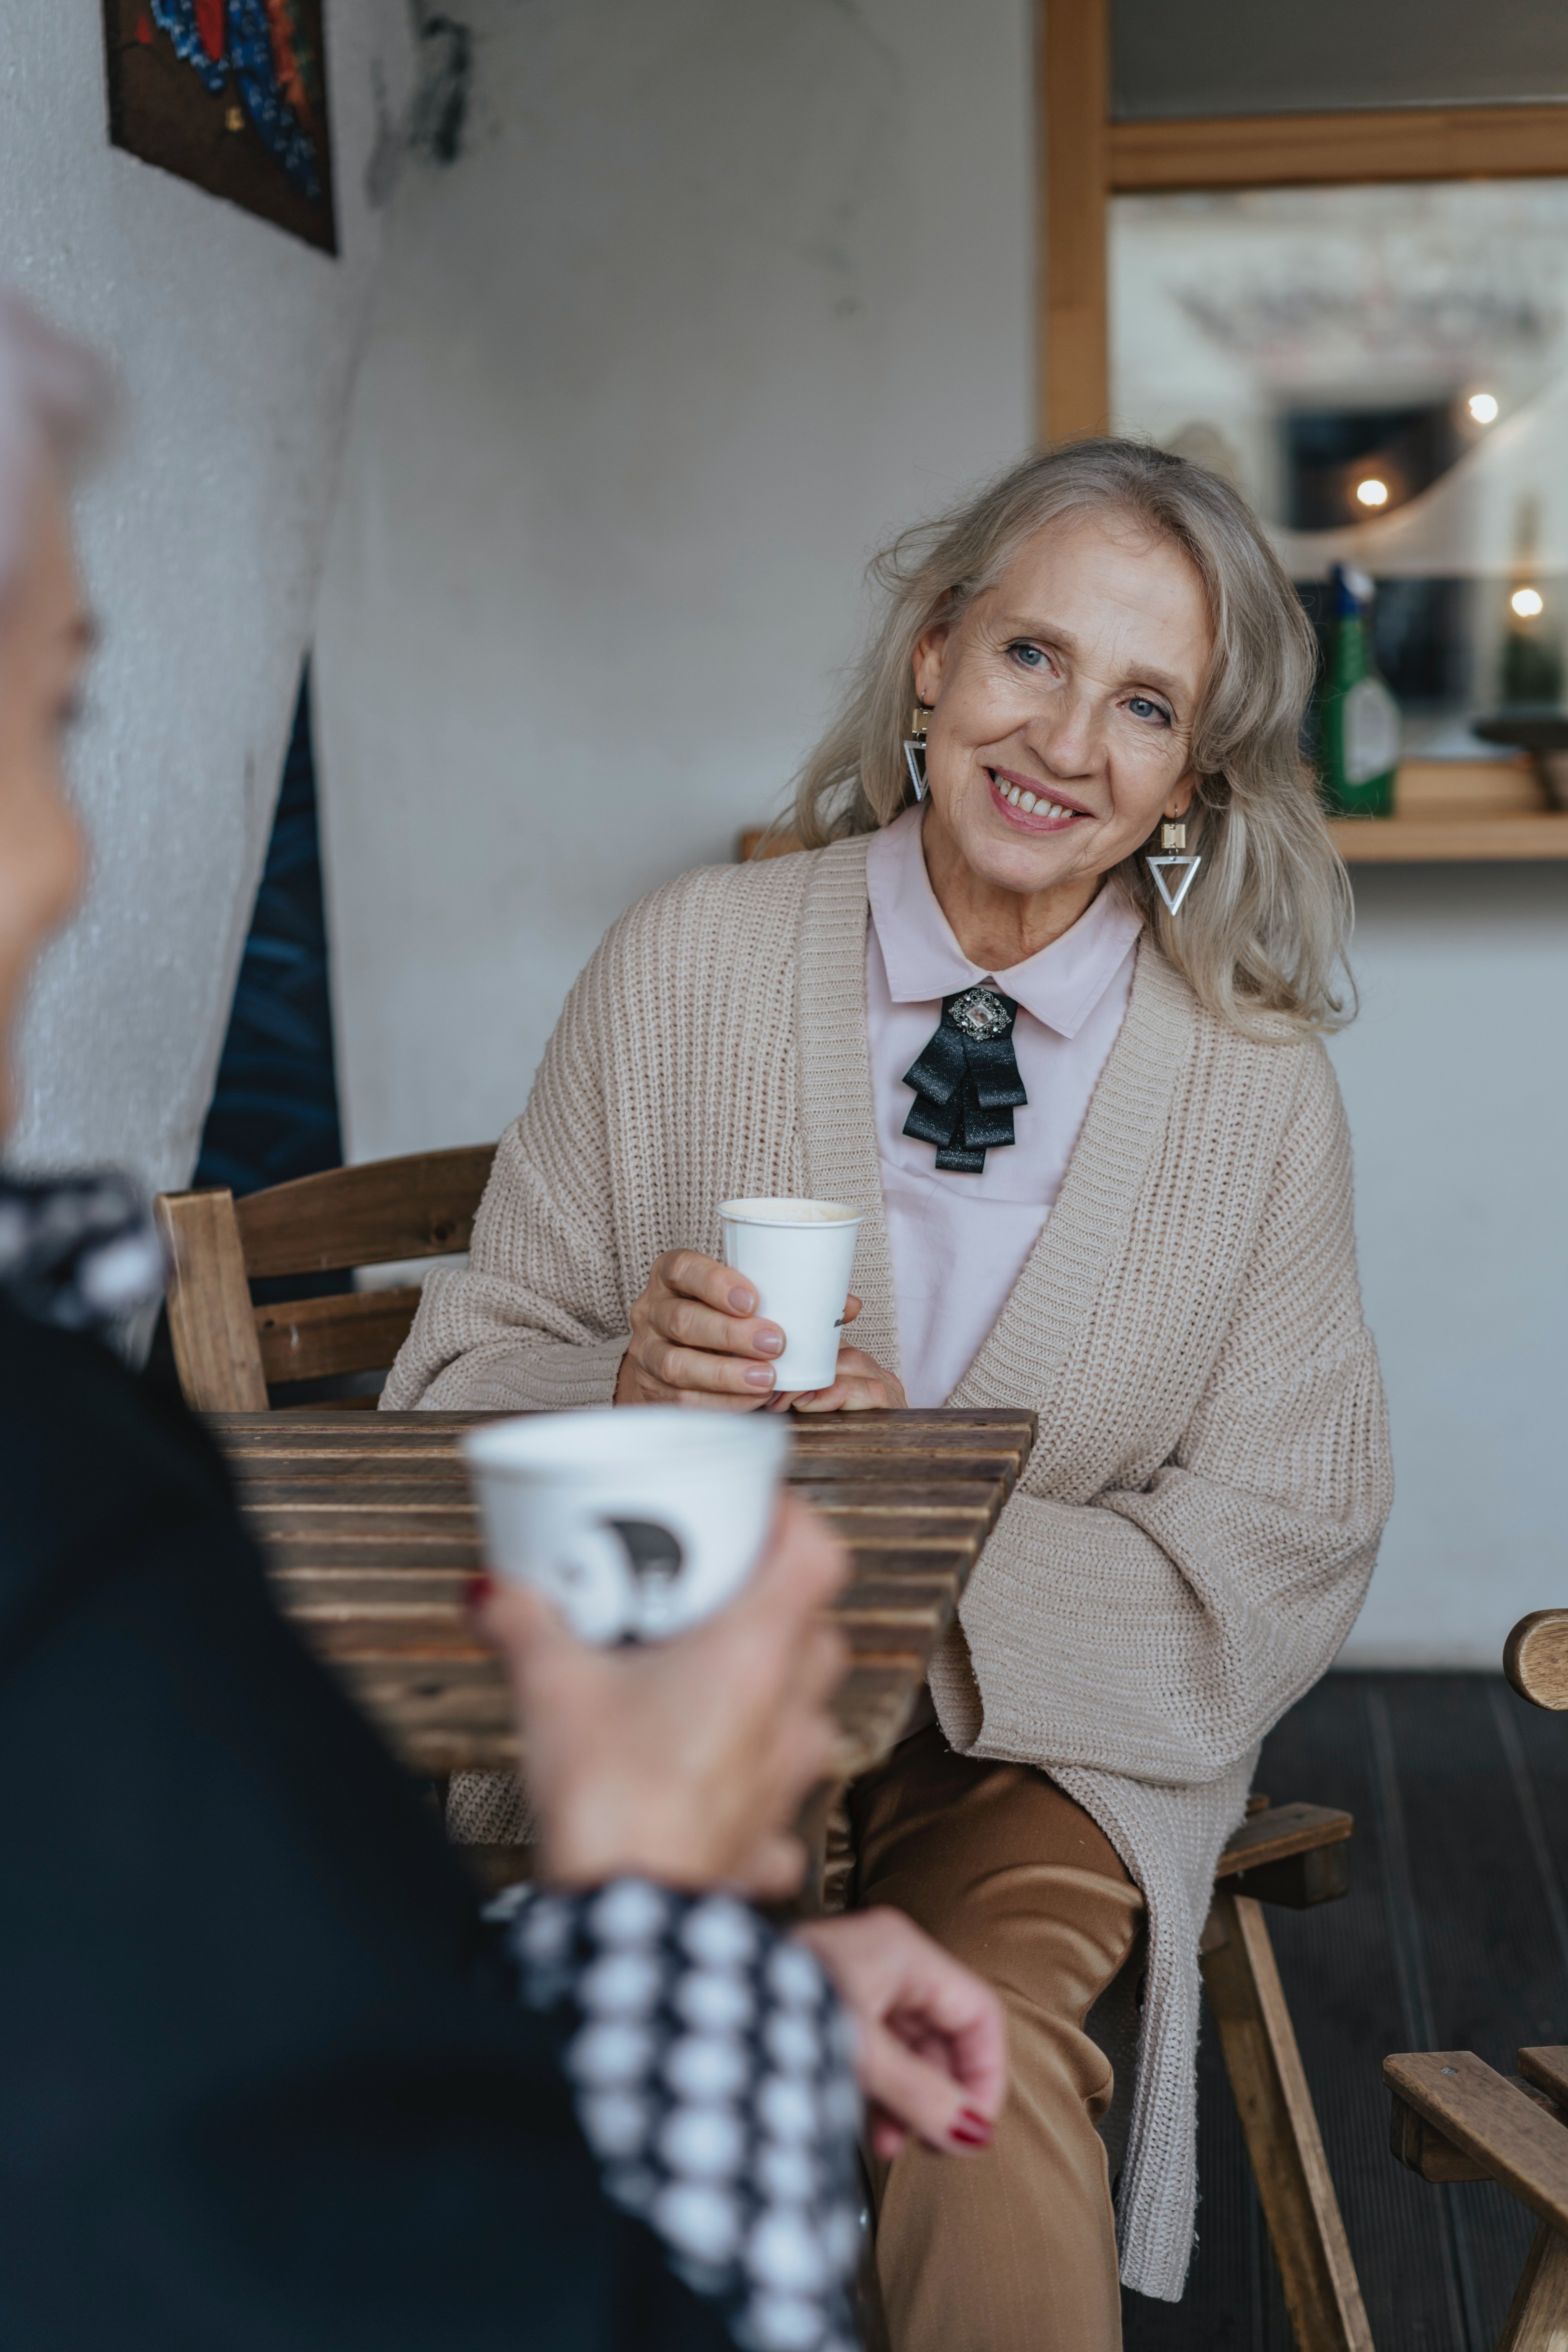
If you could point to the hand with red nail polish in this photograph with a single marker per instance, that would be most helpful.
(931, 2052)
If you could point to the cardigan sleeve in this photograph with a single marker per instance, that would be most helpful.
(540, 1320)
(1159, 1633)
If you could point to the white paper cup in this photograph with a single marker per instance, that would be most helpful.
(796, 1255)
(637, 1521)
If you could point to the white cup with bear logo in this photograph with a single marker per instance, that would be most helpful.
(637, 1521)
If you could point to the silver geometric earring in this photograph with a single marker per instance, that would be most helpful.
(1174, 837)
(915, 750)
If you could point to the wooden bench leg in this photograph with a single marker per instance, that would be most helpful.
(1538, 2317)
(1321, 2289)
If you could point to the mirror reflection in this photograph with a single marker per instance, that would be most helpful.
(1384, 371)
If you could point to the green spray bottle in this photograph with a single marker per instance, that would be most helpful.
(1358, 719)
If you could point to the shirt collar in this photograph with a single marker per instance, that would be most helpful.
(1060, 986)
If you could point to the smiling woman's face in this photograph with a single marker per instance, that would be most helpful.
(1074, 682)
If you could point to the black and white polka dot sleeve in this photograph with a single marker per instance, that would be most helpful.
(711, 2066)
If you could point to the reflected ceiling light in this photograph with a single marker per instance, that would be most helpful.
(1482, 407)
(1371, 492)
(1526, 603)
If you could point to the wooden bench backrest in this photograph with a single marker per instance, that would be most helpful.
(228, 1352)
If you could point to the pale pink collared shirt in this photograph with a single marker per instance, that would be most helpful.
(959, 1242)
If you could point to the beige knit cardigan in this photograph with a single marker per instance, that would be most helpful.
(1195, 1530)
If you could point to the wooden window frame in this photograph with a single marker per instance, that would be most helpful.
(1084, 158)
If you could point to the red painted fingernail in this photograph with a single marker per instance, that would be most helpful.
(476, 1590)
(970, 2130)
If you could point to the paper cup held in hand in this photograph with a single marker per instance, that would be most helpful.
(796, 1255)
(637, 1522)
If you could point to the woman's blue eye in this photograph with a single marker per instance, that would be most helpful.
(1030, 655)
(1141, 707)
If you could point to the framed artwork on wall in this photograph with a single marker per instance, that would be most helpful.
(231, 94)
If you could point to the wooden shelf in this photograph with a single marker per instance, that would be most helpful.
(1423, 840)
(1447, 811)
(1271, 150)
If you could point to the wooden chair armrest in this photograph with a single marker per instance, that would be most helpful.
(1505, 2135)
(1290, 1854)
(1547, 2069)
(1535, 1658)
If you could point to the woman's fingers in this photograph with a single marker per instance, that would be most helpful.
(692, 1373)
(697, 1337)
(862, 1386)
(932, 2039)
(918, 2095)
(697, 1301)
(692, 1275)
(690, 1324)
(774, 1870)
(887, 2137)
(804, 1565)
(527, 1628)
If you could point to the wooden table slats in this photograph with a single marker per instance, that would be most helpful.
(370, 1534)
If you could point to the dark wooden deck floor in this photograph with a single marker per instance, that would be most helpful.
(1454, 1935)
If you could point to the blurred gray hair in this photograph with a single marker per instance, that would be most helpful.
(1261, 937)
(54, 403)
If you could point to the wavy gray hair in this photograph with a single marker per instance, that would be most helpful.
(1261, 934)
(54, 402)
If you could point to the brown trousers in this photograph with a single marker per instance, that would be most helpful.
(1013, 2250)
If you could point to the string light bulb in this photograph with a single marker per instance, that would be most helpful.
(1527, 603)
(1482, 407)
(1371, 492)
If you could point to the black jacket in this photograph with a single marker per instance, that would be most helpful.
(262, 2087)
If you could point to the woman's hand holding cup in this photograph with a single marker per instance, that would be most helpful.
(684, 1761)
(861, 1384)
(698, 1339)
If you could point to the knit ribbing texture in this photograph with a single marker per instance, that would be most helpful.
(1196, 1526)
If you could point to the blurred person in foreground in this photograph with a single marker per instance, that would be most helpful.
(271, 2081)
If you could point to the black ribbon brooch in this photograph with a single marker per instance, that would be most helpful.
(966, 1081)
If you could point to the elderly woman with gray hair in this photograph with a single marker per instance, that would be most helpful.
(1046, 996)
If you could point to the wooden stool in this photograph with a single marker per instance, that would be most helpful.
(1455, 2119)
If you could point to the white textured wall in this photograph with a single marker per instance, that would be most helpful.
(718, 293)
(1456, 1078)
(201, 539)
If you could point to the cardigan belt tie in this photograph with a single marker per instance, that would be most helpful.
(966, 1081)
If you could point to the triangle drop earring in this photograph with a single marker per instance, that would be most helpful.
(1174, 868)
(915, 750)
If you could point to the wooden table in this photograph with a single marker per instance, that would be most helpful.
(371, 1533)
